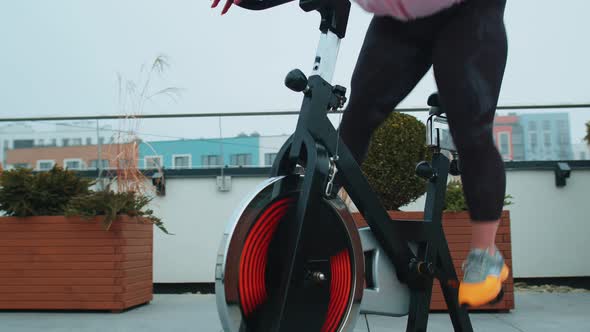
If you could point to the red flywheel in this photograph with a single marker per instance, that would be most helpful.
(324, 294)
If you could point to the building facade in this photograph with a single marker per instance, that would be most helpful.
(200, 153)
(546, 136)
(269, 147)
(82, 157)
(26, 136)
(508, 137)
(536, 136)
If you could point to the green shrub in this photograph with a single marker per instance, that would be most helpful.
(455, 199)
(395, 149)
(56, 192)
(25, 193)
(587, 138)
(109, 204)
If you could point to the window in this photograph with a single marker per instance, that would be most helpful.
(516, 138)
(153, 161)
(241, 159)
(532, 126)
(101, 140)
(211, 160)
(23, 143)
(562, 133)
(269, 158)
(533, 139)
(103, 164)
(21, 165)
(582, 155)
(88, 141)
(546, 125)
(77, 141)
(75, 164)
(563, 138)
(65, 142)
(547, 139)
(181, 161)
(41, 142)
(6, 144)
(45, 165)
(504, 144)
(53, 142)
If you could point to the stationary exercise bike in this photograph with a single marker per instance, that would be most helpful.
(292, 258)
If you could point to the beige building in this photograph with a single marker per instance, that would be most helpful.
(72, 157)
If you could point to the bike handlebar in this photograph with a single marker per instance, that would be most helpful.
(261, 4)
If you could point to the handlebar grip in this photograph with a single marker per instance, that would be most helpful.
(261, 4)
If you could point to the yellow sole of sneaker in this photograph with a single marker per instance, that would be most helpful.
(482, 293)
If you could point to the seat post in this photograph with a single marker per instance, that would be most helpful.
(324, 64)
(334, 19)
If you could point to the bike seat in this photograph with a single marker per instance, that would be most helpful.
(434, 103)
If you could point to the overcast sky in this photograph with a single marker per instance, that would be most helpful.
(62, 57)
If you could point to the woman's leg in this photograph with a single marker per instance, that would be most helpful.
(393, 59)
(469, 61)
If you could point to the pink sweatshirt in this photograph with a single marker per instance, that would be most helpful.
(406, 10)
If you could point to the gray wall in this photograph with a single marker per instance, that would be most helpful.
(550, 225)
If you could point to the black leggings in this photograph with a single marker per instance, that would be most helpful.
(467, 46)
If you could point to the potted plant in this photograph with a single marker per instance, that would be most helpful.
(64, 246)
(396, 147)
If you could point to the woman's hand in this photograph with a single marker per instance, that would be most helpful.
(227, 5)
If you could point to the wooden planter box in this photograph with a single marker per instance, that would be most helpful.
(72, 263)
(458, 233)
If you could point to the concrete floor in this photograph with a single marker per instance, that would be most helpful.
(537, 312)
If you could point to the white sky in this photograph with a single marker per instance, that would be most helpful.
(62, 57)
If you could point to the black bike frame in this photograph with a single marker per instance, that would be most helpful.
(316, 145)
